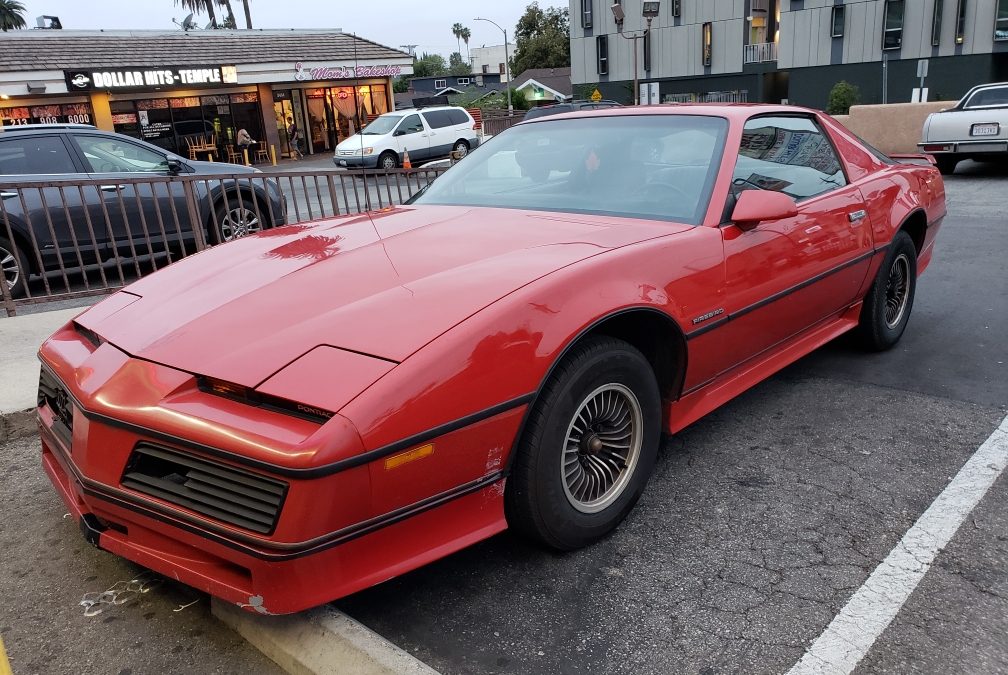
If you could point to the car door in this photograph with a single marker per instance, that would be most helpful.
(784, 276)
(47, 220)
(441, 134)
(414, 136)
(139, 214)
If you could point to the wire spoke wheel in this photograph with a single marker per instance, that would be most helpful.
(239, 222)
(897, 291)
(9, 267)
(602, 446)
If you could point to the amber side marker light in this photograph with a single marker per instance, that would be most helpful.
(396, 461)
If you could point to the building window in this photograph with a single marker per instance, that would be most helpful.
(602, 47)
(892, 34)
(647, 52)
(463, 81)
(708, 43)
(676, 8)
(838, 21)
(486, 68)
(960, 21)
(440, 84)
(500, 68)
(586, 13)
(1001, 21)
(936, 20)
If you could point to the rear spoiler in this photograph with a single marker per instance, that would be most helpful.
(912, 158)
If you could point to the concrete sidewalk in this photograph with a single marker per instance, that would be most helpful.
(19, 365)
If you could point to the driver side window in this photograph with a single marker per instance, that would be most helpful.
(111, 155)
(787, 154)
(411, 125)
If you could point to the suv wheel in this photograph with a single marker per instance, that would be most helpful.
(13, 268)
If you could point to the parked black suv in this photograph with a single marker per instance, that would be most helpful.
(569, 106)
(65, 225)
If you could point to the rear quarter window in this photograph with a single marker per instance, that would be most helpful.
(458, 116)
(437, 119)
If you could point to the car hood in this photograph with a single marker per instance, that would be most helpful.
(354, 142)
(382, 286)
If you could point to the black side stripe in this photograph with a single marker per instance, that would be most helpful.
(275, 551)
(316, 471)
(786, 292)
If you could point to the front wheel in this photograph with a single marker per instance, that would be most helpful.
(887, 306)
(13, 268)
(589, 446)
(388, 161)
(236, 218)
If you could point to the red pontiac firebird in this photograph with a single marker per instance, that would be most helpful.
(292, 417)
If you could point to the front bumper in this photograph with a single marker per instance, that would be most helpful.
(970, 147)
(333, 536)
(356, 161)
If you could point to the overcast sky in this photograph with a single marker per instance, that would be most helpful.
(426, 23)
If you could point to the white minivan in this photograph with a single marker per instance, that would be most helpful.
(426, 133)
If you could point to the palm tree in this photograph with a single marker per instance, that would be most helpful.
(230, 22)
(466, 34)
(198, 7)
(248, 14)
(11, 15)
(457, 32)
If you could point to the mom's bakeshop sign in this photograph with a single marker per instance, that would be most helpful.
(303, 72)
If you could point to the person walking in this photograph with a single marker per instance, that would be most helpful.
(294, 139)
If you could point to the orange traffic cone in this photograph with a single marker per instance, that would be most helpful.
(406, 164)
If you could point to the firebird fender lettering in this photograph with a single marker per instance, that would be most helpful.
(709, 315)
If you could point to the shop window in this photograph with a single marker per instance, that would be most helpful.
(586, 13)
(892, 32)
(602, 56)
(1001, 21)
(960, 33)
(154, 117)
(75, 113)
(838, 21)
(245, 114)
(708, 44)
(440, 84)
(936, 22)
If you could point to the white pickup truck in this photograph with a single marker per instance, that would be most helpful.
(976, 128)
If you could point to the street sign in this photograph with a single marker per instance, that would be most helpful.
(596, 95)
(922, 68)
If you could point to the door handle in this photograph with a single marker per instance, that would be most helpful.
(855, 217)
(8, 195)
(111, 188)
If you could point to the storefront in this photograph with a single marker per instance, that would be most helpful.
(318, 82)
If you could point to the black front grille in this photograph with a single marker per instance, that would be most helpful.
(221, 492)
(53, 394)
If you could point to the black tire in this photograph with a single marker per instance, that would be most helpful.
(462, 147)
(14, 268)
(947, 164)
(887, 306)
(388, 160)
(539, 499)
(235, 218)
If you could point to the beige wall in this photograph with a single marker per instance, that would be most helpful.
(893, 128)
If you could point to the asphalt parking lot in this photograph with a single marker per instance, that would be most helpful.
(760, 522)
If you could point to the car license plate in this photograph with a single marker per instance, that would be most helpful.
(985, 129)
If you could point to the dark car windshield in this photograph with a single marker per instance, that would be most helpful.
(382, 125)
(644, 166)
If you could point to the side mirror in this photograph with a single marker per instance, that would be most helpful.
(399, 132)
(753, 207)
(174, 166)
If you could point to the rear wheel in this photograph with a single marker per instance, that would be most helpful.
(589, 446)
(887, 306)
(461, 148)
(13, 268)
(388, 160)
(947, 164)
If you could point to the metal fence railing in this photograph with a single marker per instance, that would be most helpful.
(493, 125)
(63, 239)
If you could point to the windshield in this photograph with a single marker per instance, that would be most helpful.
(382, 125)
(642, 166)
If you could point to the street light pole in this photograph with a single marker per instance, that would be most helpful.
(636, 35)
(507, 63)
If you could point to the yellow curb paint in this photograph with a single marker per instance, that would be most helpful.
(5, 668)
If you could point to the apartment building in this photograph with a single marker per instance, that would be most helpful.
(786, 50)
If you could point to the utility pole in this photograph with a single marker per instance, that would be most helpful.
(411, 49)
(507, 64)
(650, 11)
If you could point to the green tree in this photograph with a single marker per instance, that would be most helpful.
(400, 85)
(465, 34)
(11, 15)
(542, 39)
(200, 6)
(457, 32)
(230, 21)
(841, 97)
(457, 65)
(430, 65)
(248, 14)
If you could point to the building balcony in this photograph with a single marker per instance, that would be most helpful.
(761, 52)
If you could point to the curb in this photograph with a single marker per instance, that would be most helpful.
(14, 425)
(321, 640)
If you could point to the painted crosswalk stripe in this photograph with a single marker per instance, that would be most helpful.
(860, 623)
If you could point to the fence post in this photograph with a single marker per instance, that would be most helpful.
(195, 223)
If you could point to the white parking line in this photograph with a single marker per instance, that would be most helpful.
(860, 623)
